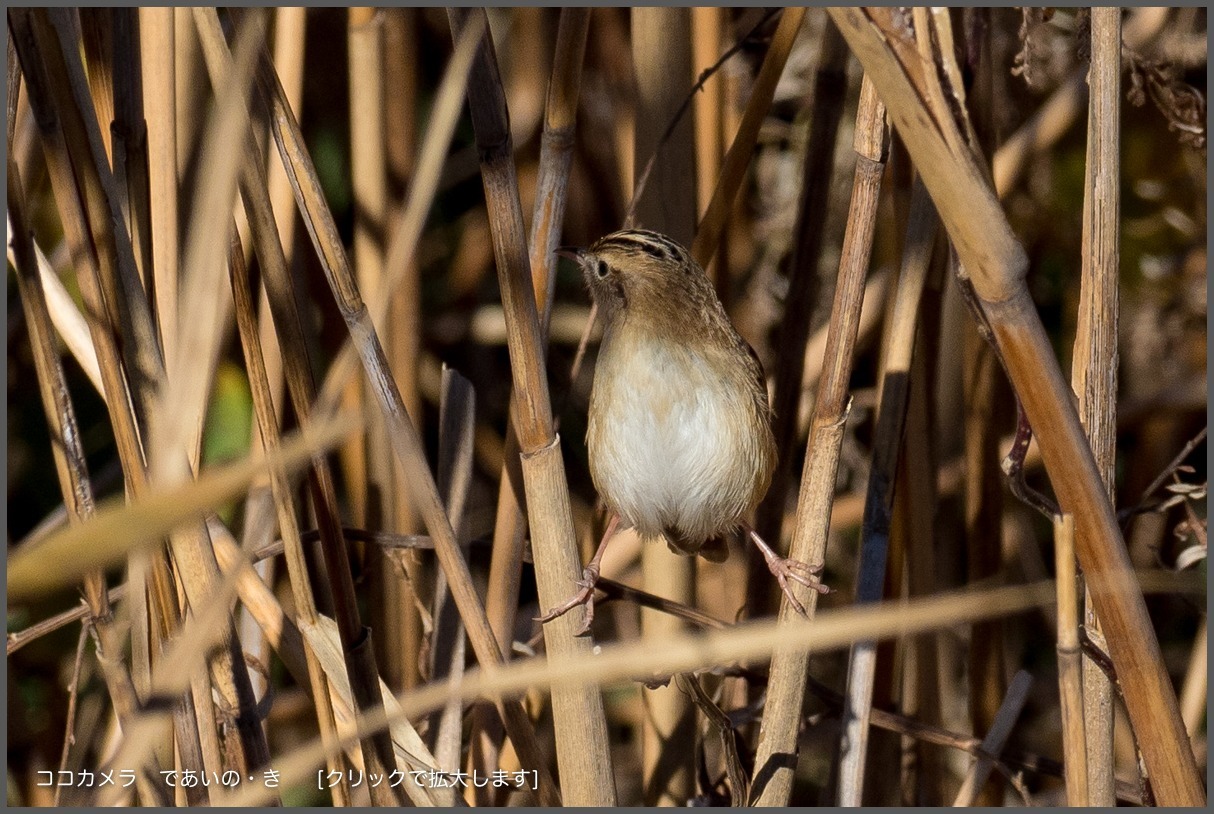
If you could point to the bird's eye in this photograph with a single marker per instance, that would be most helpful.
(601, 269)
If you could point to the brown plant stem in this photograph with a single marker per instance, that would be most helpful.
(826, 99)
(1070, 678)
(1094, 363)
(771, 784)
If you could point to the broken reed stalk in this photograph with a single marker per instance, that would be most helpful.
(1094, 361)
(69, 458)
(829, 91)
(356, 639)
(996, 262)
(284, 504)
(404, 437)
(661, 60)
(996, 737)
(879, 501)
(1070, 677)
(771, 784)
(580, 725)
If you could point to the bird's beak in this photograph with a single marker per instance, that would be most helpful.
(571, 252)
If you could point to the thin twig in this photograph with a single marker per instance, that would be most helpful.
(73, 690)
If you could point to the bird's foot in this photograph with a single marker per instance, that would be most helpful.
(585, 596)
(785, 569)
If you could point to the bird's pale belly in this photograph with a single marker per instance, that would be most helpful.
(670, 454)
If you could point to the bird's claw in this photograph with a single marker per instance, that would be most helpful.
(585, 596)
(784, 569)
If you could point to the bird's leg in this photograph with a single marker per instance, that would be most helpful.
(590, 576)
(784, 569)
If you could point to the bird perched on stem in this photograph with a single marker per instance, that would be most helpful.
(679, 434)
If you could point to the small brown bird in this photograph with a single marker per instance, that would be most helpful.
(679, 434)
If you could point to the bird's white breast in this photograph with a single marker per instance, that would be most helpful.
(667, 445)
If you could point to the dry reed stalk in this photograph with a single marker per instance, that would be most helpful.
(405, 441)
(290, 28)
(771, 784)
(1094, 361)
(996, 737)
(369, 480)
(985, 411)
(556, 157)
(878, 507)
(284, 504)
(356, 639)
(661, 58)
(129, 133)
(829, 90)
(447, 653)
(690, 651)
(990, 253)
(737, 160)
(69, 458)
(156, 42)
(1194, 692)
(1070, 676)
(581, 729)
(706, 45)
(917, 496)
(371, 489)
(399, 620)
(94, 28)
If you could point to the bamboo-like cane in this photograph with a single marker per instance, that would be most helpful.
(581, 728)
(1095, 360)
(772, 780)
(1070, 679)
(990, 253)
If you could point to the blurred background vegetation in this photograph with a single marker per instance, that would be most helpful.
(1163, 336)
